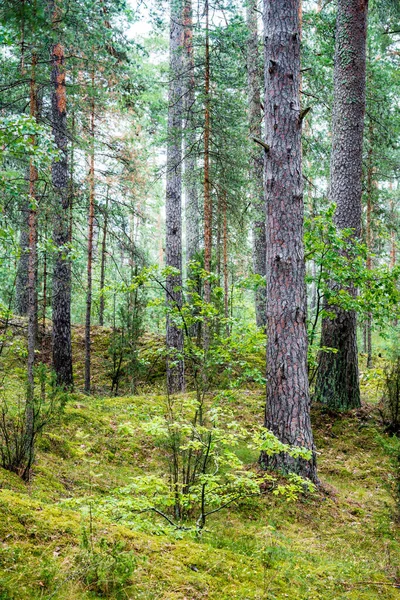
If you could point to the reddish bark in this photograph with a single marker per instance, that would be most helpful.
(288, 401)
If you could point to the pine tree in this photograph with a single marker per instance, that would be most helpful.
(288, 401)
(61, 298)
(173, 207)
(338, 377)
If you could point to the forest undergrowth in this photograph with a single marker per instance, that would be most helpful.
(80, 529)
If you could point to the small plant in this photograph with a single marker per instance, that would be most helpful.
(16, 447)
(105, 567)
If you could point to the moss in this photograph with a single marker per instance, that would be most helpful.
(337, 544)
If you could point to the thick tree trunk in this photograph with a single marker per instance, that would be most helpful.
(257, 161)
(288, 401)
(90, 251)
(173, 209)
(191, 193)
(338, 378)
(61, 299)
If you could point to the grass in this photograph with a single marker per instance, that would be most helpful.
(340, 544)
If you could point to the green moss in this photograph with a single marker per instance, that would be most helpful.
(335, 545)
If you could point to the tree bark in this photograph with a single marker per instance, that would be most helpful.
(173, 209)
(257, 161)
(191, 196)
(103, 262)
(21, 286)
(32, 283)
(337, 383)
(61, 298)
(288, 402)
(225, 262)
(370, 188)
(207, 194)
(90, 250)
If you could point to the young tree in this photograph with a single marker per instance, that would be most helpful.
(61, 298)
(257, 160)
(173, 207)
(338, 379)
(288, 401)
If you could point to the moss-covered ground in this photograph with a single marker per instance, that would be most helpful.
(341, 543)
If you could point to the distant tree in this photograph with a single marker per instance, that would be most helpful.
(257, 160)
(338, 378)
(173, 206)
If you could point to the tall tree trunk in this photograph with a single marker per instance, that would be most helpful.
(338, 378)
(225, 262)
(393, 231)
(173, 209)
(257, 161)
(32, 283)
(288, 402)
(21, 286)
(207, 193)
(61, 299)
(370, 188)
(90, 250)
(191, 193)
(103, 262)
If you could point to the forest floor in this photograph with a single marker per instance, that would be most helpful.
(56, 544)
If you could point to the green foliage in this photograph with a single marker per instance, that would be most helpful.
(105, 568)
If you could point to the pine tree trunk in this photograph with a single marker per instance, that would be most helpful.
(32, 283)
(61, 299)
(191, 196)
(257, 161)
(370, 186)
(173, 209)
(338, 377)
(207, 194)
(103, 263)
(225, 263)
(21, 286)
(288, 401)
(90, 251)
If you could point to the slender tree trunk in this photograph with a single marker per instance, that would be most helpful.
(225, 262)
(288, 402)
(32, 283)
(191, 196)
(338, 377)
(257, 161)
(90, 250)
(370, 187)
(61, 298)
(207, 193)
(393, 231)
(173, 210)
(103, 262)
(21, 286)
